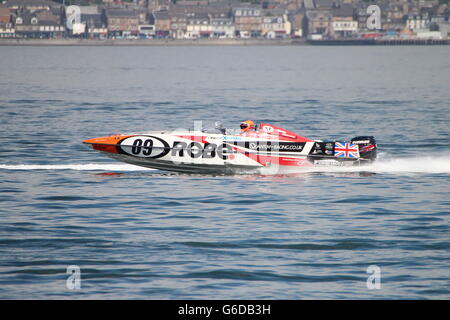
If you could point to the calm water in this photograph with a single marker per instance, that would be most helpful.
(147, 234)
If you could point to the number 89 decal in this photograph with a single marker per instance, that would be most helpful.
(144, 146)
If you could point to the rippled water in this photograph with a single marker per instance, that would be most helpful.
(148, 234)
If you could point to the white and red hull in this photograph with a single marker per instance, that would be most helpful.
(270, 149)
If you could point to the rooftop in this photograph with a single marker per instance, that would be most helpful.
(89, 9)
(31, 3)
(325, 4)
(121, 13)
(346, 10)
(161, 15)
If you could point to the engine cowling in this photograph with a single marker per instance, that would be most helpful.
(367, 147)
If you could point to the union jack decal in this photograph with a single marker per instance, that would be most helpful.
(346, 150)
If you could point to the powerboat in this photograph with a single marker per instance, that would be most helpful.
(266, 149)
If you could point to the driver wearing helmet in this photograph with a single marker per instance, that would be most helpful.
(247, 125)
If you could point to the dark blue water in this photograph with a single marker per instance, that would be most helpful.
(147, 234)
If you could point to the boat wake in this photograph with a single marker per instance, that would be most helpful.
(397, 166)
(423, 165)
(77, 167)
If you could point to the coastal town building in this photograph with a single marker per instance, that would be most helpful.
(394, 10)
(6, 24)
(325, 4)
(309, 4)
(362, 17)
(40, 23)
(343, 22)
(344, 27)
(193, 19)
(159, 5)
(429, 35)
(32, 5)
(273, 27)
(223, 28)
(161, 20)
(178, 25)
(417, 22)
(147, 31)
(122, 23)
(248, 21)
(298, 22)
(393, 26)
(5, 15)
(219, 9)
(319, 23)
(94, 20)
(198, 26)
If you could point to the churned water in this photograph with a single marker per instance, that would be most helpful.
(138, 233)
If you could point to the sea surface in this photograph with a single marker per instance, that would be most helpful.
(381, 232)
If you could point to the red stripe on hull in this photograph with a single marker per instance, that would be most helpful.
(274, 160)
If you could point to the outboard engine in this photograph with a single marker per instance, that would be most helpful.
(367, 147)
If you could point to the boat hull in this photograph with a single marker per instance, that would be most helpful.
(184, 167)
(271, 150)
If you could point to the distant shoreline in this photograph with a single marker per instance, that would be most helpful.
(212, 42)
(150, 42)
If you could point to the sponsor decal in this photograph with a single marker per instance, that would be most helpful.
(276, 146)
(197, 150)
(368, 148)
(328, 163)
(346, 150)
(153, 147)
(361, 141)
(231, 138)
